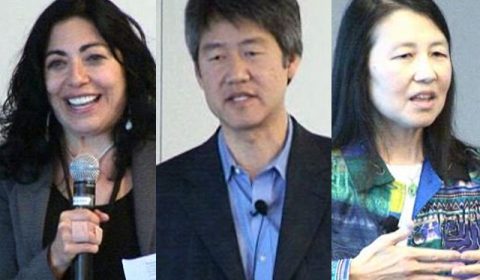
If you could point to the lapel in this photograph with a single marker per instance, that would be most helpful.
(208, 207)
(32, 208)
(359, 163)
(143, 176)
(429, 185)
(307, 201)
(33, 202)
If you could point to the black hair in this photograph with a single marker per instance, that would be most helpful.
(279, 17)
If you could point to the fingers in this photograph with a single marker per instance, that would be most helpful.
(435, 267)
(95, 217)
(86, 232)
(471, 269)
(434, 255)
(473, 255)
(82, 226)
(77, 248)
(432, 277)
(386, 240)
(102, 216)
(395, 237)
(78, 231)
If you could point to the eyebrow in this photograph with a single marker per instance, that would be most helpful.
(412, 45)
(82, 49)
(255, 40)
(218, 45)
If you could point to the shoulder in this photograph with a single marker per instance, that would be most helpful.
(147, 148)
(143, 160)
(308, 142)
(44, 181)
(189, 159)
(189, 166)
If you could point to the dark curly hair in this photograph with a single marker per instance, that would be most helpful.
(25, 149)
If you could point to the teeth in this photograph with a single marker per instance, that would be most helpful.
(81, 100)
(423, 97)
(240, 98)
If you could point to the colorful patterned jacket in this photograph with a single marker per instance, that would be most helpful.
(444, 216)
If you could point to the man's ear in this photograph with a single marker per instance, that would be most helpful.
(292, 65)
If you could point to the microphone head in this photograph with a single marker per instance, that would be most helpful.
(261, 207)
(85, 167)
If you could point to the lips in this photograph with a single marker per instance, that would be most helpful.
(424, 100)
(423, 96)
(239, 96)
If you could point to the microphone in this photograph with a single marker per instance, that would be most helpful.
(84, 170)
(261, 208)
(389, 224)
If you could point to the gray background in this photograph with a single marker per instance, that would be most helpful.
(463, 17)
(186, 121)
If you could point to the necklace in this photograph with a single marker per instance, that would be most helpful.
(408, 176)
(414, 181)
(412, 189)
(100, 156)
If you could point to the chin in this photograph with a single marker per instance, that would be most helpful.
(242, 126)
(422, 125)
(84, 131)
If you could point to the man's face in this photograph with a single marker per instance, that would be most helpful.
(243, 74)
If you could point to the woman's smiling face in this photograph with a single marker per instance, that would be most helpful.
(86, 85)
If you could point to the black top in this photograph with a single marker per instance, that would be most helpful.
(119, 235)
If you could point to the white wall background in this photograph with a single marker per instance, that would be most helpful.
(185, 118)
(18, 16)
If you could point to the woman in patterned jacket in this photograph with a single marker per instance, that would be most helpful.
(403, 186)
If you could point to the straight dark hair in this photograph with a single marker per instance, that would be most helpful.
(353, 111)
(29, 144)
(279, 17)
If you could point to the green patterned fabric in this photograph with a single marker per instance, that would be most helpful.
(445, 216)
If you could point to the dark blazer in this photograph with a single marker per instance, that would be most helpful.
(22, 217)
(196, 228)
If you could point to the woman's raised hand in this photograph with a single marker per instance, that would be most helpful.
(78, 231)
(383, 259)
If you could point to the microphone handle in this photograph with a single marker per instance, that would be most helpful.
(84, 197)
(83, 267)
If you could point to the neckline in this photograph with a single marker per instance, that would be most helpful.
(67, 200)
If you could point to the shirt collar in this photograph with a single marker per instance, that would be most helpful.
(279, 163)
(357, 160)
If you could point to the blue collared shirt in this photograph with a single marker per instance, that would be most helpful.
(269, 185)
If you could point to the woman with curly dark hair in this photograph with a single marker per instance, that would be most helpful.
(85, 84)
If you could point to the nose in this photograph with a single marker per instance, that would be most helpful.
(78, 75)
(425, 70)
(237, 71)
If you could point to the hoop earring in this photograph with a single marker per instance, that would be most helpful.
(47, 127)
